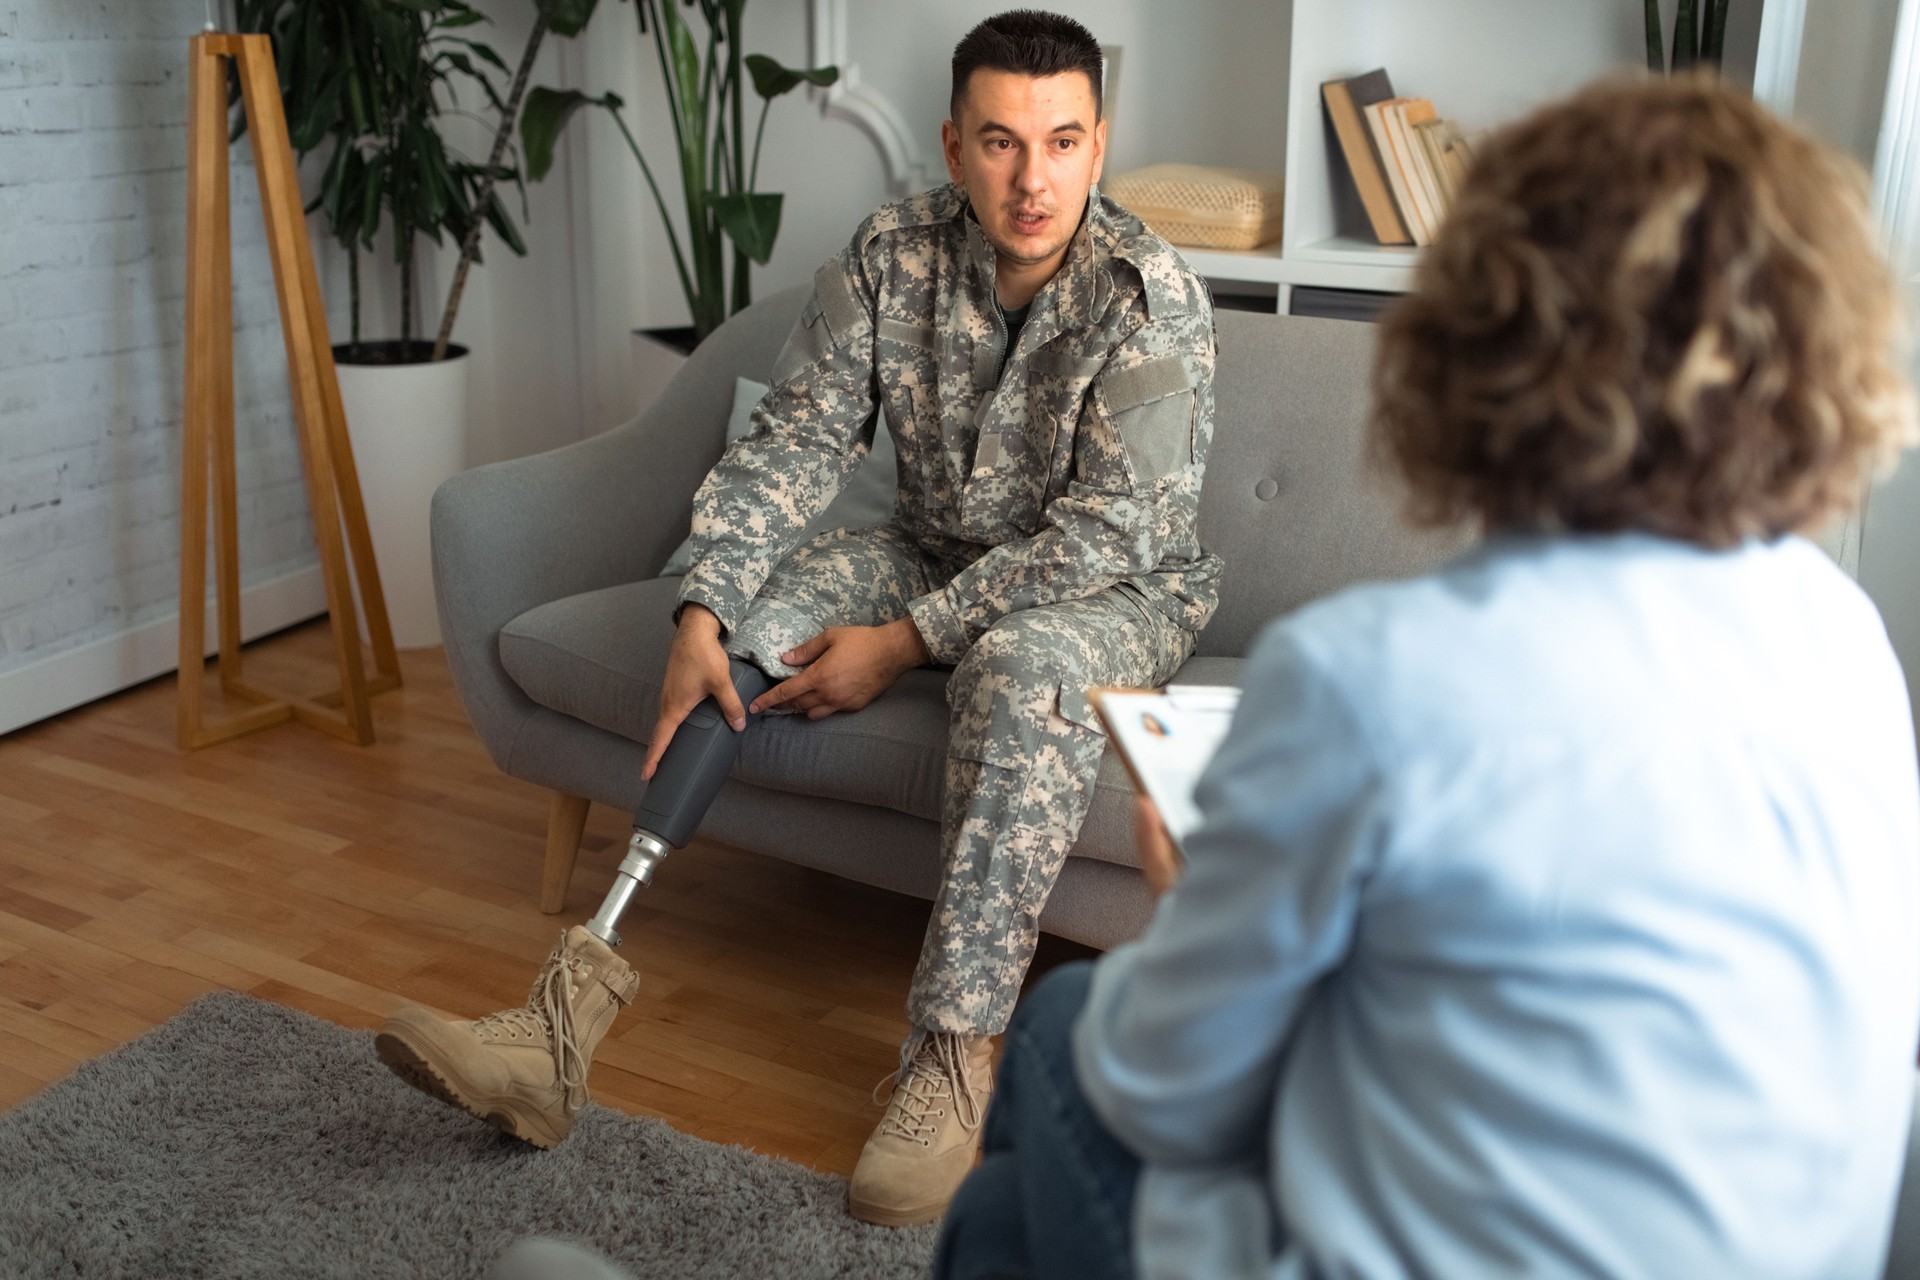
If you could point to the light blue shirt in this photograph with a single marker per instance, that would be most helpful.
(1556, 914)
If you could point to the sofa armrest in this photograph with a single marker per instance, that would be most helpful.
(511, 536)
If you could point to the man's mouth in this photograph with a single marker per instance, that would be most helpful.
(1028, 221)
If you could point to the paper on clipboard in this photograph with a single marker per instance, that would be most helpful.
(1165, 738)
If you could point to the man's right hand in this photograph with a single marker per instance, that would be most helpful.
(696, 668)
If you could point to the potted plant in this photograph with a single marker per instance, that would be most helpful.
(705, 72)
(1699, 35)
(374, 78)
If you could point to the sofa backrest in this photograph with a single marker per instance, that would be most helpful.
(1289, 502)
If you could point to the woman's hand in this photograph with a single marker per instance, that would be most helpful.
(1160, 859)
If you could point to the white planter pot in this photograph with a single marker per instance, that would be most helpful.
(654, 364)
(408, 423)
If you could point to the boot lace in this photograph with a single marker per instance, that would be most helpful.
(548, 1015)
(934, 1067)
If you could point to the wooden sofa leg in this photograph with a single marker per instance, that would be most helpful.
(566, 820)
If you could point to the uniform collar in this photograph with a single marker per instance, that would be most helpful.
(1078, 287)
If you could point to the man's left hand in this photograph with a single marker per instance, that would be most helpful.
(846, 668)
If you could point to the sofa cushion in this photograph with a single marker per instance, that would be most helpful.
(599, 656)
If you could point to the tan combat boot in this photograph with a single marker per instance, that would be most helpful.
(927, 1141)
(521, 1070)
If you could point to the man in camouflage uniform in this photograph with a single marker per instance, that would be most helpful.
(1045, 365)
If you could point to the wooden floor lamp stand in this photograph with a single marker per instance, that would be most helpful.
(333, 484)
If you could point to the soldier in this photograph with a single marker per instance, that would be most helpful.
(1045, 365)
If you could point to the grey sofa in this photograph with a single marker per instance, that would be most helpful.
(557, 630)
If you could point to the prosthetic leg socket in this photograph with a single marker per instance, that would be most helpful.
(691, 773)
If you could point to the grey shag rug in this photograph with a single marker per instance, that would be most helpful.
(245, 1139)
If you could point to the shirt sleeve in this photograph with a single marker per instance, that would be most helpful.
(1180, 1044)
(1136, 480)
(807, 435)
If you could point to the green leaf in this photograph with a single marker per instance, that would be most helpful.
(770, 79)
(332, 187)
(544, 114)
(686, 75)
(485, 53)
(751, 221)
(459, 61)
(502, 224)
(357, 115)
(1686, 35)
(467, 19)
(568, 17)
(1713, 37)
(320, 118)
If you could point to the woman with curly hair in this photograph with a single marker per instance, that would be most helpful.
(1557, 913)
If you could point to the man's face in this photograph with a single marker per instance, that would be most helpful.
(1027, 150)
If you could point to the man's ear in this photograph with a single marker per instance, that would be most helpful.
(1099, 149)
(950, 147)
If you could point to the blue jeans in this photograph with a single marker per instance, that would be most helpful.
(1053, 1194)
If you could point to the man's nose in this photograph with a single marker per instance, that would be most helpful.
(1031, 176)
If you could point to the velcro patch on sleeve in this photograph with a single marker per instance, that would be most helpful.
(1066, 364)
(1158, 435)
(913, 335)
(1138, 384)
(808, 343)
(844, 314)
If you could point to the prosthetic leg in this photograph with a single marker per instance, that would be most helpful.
(525, 1070)
(690, 775)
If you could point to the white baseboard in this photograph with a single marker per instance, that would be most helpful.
(64, 680)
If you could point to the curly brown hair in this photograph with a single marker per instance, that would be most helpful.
(1654, 306)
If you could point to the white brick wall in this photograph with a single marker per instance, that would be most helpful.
(92, 271)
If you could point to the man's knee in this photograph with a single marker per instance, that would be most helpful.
(1006, 656)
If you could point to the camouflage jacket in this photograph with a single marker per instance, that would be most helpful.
(1057, 469)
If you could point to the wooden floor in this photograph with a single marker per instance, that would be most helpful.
(347, 880)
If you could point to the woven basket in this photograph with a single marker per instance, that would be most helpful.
(1207, 208)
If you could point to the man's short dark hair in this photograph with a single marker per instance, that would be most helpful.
(1028, 42)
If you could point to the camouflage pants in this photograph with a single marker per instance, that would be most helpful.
(1022, 750)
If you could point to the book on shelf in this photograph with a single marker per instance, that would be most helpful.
(1380, 116)
(1421, 156)
(1402, 118)
(1436, 138)
(1345, 101)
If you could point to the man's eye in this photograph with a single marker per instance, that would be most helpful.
(1066, 144)
(1001, 144)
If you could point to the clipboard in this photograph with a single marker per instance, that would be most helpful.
(1164, 738)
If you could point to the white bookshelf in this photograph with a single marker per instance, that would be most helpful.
(1483, 63)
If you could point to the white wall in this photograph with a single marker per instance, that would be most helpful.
(92, 279)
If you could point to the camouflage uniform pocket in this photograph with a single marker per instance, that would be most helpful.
(1076, 708)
